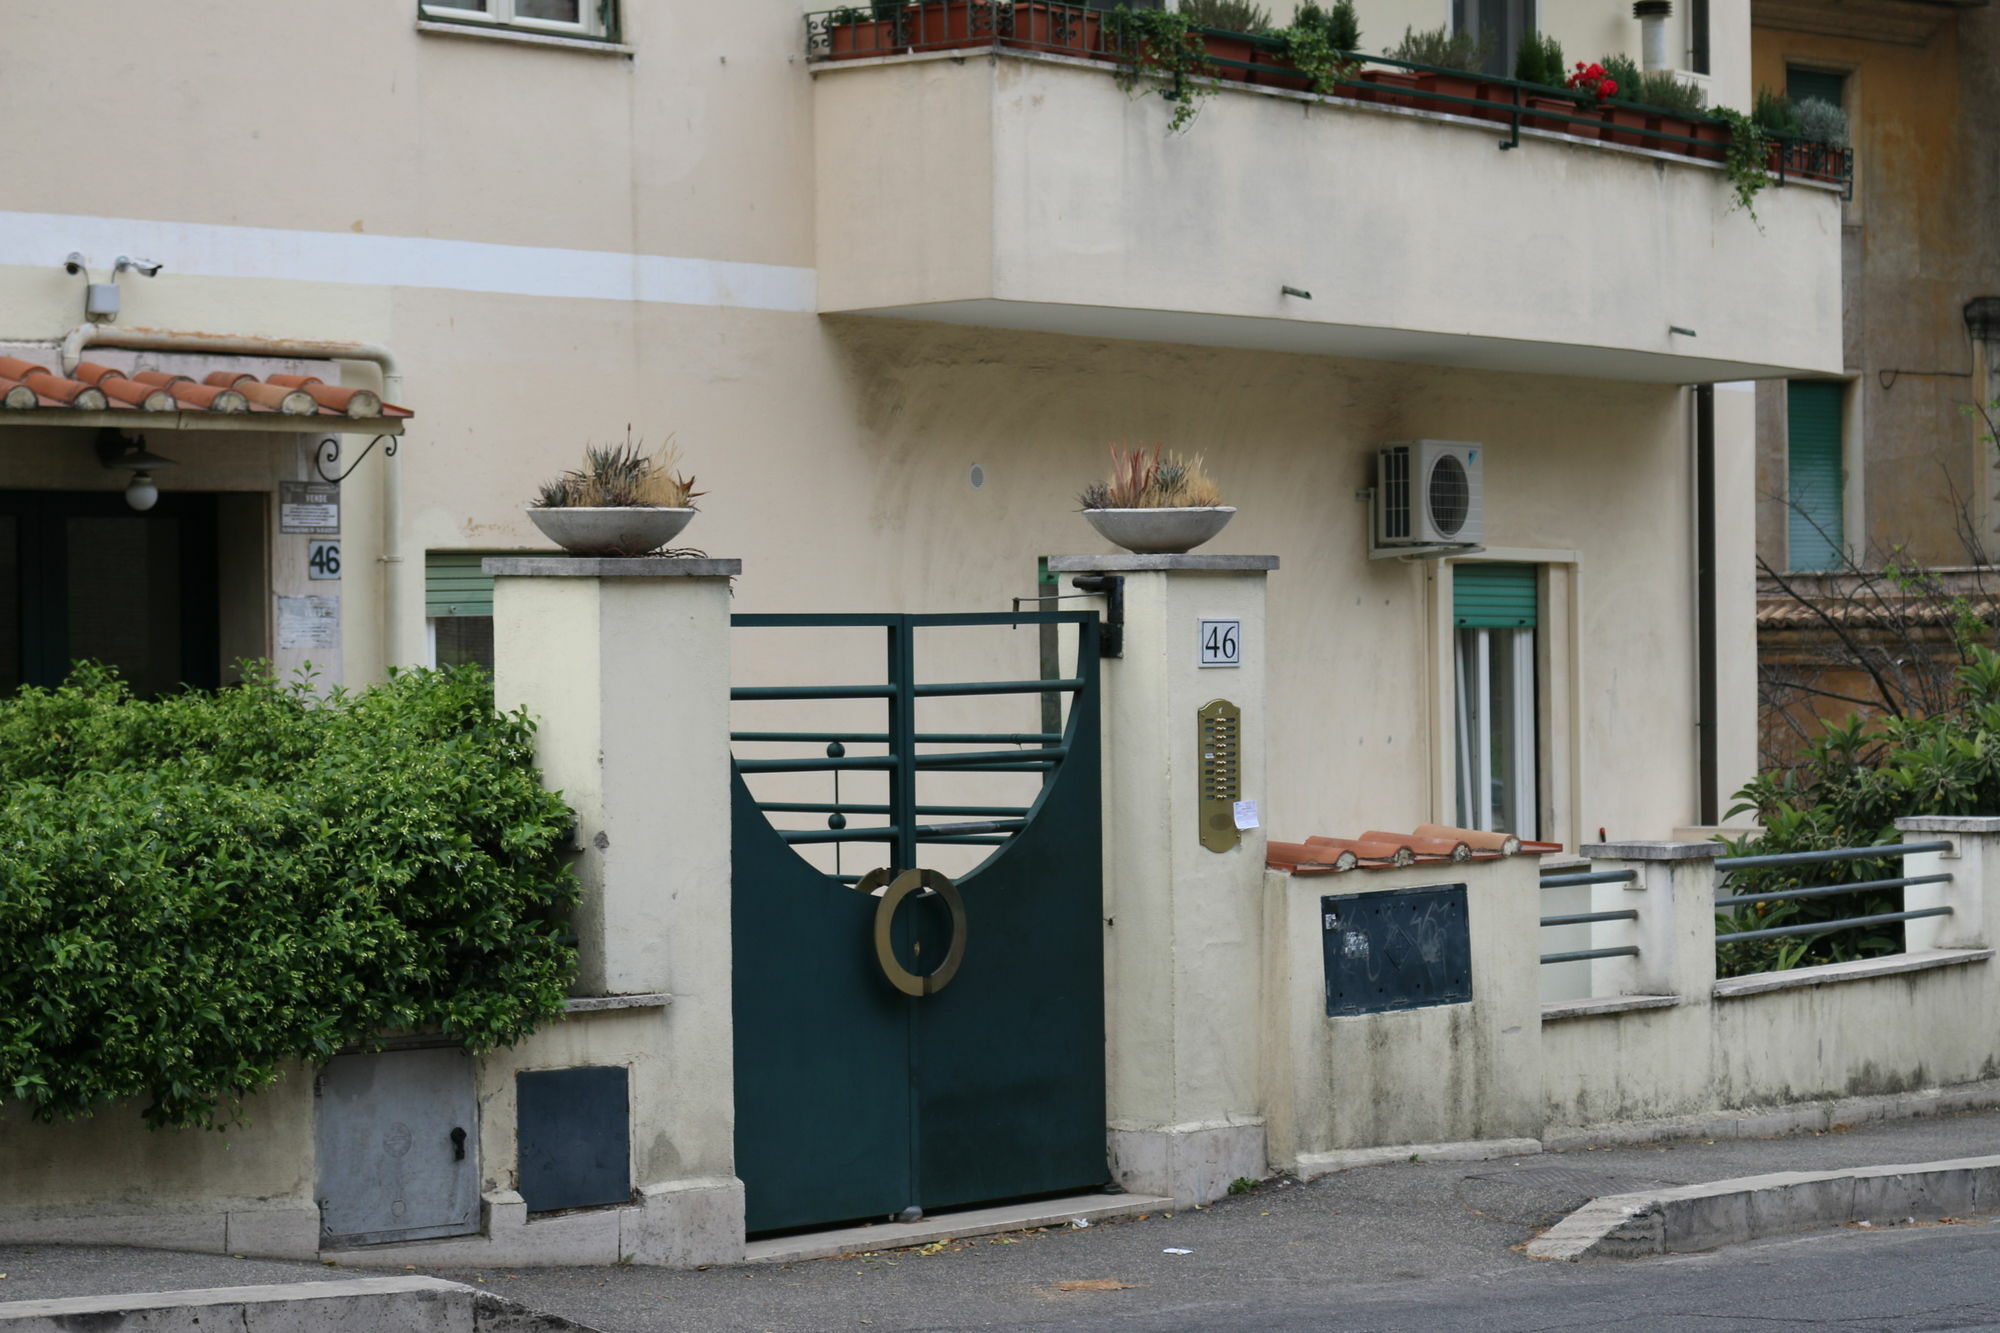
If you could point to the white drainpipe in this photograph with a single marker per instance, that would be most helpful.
(400, 652)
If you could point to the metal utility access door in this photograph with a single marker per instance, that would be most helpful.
(871, 1077)
(398, 1147)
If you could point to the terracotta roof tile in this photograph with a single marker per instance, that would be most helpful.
(1377, 850)
(30, 386)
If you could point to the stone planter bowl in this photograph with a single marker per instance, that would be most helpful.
(1160, 531)
(610, 531)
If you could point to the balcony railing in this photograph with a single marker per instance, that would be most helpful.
(867, 30)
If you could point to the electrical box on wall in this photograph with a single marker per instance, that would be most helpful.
(1429, 499)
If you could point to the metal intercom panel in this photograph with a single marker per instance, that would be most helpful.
(1219, 751)
(398, 1146)
(1404, 949)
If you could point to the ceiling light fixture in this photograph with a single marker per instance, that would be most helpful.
(140, 492)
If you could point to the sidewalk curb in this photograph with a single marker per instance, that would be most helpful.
(366, 1302)
(1729, 1212)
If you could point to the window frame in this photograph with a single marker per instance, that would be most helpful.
(599, 21)
(1558, 664)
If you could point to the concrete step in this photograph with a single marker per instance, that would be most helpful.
(951, 1226)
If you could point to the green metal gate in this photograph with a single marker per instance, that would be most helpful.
(871, 1077)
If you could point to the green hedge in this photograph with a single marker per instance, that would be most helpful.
(197, 889)
(1847, 790)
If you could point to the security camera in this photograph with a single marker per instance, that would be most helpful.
(145, 267)
(73, 263)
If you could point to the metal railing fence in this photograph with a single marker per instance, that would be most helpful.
(889, 27)
(1576, 879)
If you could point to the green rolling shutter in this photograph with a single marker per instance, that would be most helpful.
(454, 585)
(1816, 537)
(1803, 83)
(1493, 596)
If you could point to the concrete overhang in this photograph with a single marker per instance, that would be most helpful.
(1030, 192)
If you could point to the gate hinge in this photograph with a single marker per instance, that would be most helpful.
(1111, 587)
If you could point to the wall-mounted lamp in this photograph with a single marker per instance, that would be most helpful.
(100, 299)
(113, 452)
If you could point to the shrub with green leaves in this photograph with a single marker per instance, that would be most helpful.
(1848, 790)
(197, 889)
(1539, 59)
(1228, 15)
(1661, 88)
(1820, 121)
(1444, 49)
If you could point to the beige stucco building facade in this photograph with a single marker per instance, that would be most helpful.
(838, 288)
(892, 311)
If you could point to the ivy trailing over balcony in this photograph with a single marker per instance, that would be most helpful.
(1165, 46)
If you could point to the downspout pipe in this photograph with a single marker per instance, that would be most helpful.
(400, 652)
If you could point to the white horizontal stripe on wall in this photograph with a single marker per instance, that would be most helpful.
(209, 250)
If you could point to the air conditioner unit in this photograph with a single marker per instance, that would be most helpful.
(1429, 497)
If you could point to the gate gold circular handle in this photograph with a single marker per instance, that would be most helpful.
(905, 884)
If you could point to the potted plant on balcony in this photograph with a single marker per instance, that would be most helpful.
(1455, 58)
(854, 31)
(621, 502)
(1228, 27)
(1152, 505)
(1594, 86)
(1539, 61)
(1317, 49)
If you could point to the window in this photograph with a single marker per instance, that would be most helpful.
(1495, 613)
(458, 608)
(566, 18)
(1505, 23)
(1823, 84)
(1814, 478)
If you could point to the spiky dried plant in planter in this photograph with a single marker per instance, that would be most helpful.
(623, 501)
(1153, 504)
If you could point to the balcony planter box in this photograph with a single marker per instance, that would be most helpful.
(1160, 531)
(1551, 107)
(1621, 126)
(852, 41)
(1061, 28)
(947, 24)
(1393, 87)
(1230, 47)
(1452, 85)
(1276, 72)
(1714, 136)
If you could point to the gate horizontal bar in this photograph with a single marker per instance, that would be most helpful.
(1882, 850)
(813, 692)
(809, 765)
(1826, 890)
(844, 620)
(996, 687)
(1003, 810)
(1583, 955)
(882, 737)
(961, 838)
(936, 832)
(1585, 918)
(1828, 927)
(839, 835)
(986, 768)
(1591, 877)
(821, 808)
(981, 758)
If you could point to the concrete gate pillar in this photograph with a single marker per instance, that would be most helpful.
(625, 666)
(1183, 923)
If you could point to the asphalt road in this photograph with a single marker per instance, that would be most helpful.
(1414, 1245)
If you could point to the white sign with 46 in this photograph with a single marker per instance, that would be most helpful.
(1221, 643)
